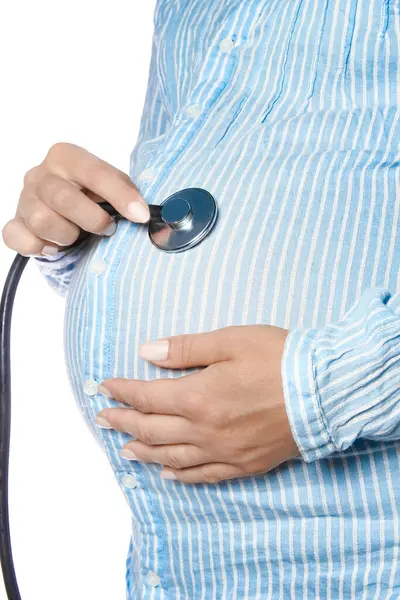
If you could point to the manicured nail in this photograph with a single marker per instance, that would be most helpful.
(110, 229)
(105, 391)
(103, 423)
(138, 213)
(168, 475)
(128, 454)
(50, 251)
(157, 350)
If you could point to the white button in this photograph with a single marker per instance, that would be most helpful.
(129, 481)
(98, 266)
(147, 174)
(91, 387)
(226, 45)
(153, 579)
(194, 110)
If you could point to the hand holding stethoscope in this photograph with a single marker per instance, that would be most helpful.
(73, 193)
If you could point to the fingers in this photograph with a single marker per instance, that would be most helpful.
(46, 223)
(150, 429)
(18, 237)
(177, 456)
(192, 349)
(161, 396)
(184, 396)
(66, 200)
(53, 209)
(76, 164)
(209, 473)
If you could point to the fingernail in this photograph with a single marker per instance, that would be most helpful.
(110, 229)
(103, 423)
(128, 454)
(157, 350)
(105, 391)
(50, 251)
(168, 475)
(138, 212)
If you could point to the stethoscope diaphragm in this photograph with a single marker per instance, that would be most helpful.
(182, 220)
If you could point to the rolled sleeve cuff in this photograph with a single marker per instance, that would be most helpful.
(302, 401)
(341, 383)
(58, 269)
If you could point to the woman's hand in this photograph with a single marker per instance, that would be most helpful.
(225, 421)
(58, 203)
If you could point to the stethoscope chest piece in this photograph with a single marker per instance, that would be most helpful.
(182, 220)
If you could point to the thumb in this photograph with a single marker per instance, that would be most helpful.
(190, 350)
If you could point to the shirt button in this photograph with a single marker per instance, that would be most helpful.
(153, 579)
(147, 174)
(91, 387)
(98, 266)
(226, 44)
(194, 110)
(129, 481)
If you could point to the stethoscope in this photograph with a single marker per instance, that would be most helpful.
(180, 222)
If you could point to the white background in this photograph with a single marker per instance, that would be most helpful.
(71, 71)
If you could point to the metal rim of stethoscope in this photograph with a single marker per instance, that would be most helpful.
(182, 220)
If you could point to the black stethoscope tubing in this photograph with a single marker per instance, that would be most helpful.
(6, 306)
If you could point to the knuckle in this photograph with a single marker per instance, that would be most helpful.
(184, 350)
(37, 221)
(215, 417)
(141, 396)
(174, 461)
(145, 435)
(47, 186)
(59, 196)
(56, 154)
(54, 192)
(31, 176)
(210, 418)
(196, 404)
(139, 402)
(99, 222)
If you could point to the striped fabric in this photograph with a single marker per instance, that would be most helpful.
(287, 111)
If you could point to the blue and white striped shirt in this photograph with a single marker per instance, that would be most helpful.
(288, 112)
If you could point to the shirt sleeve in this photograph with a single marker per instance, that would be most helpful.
(342, 382)
(58, 269)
